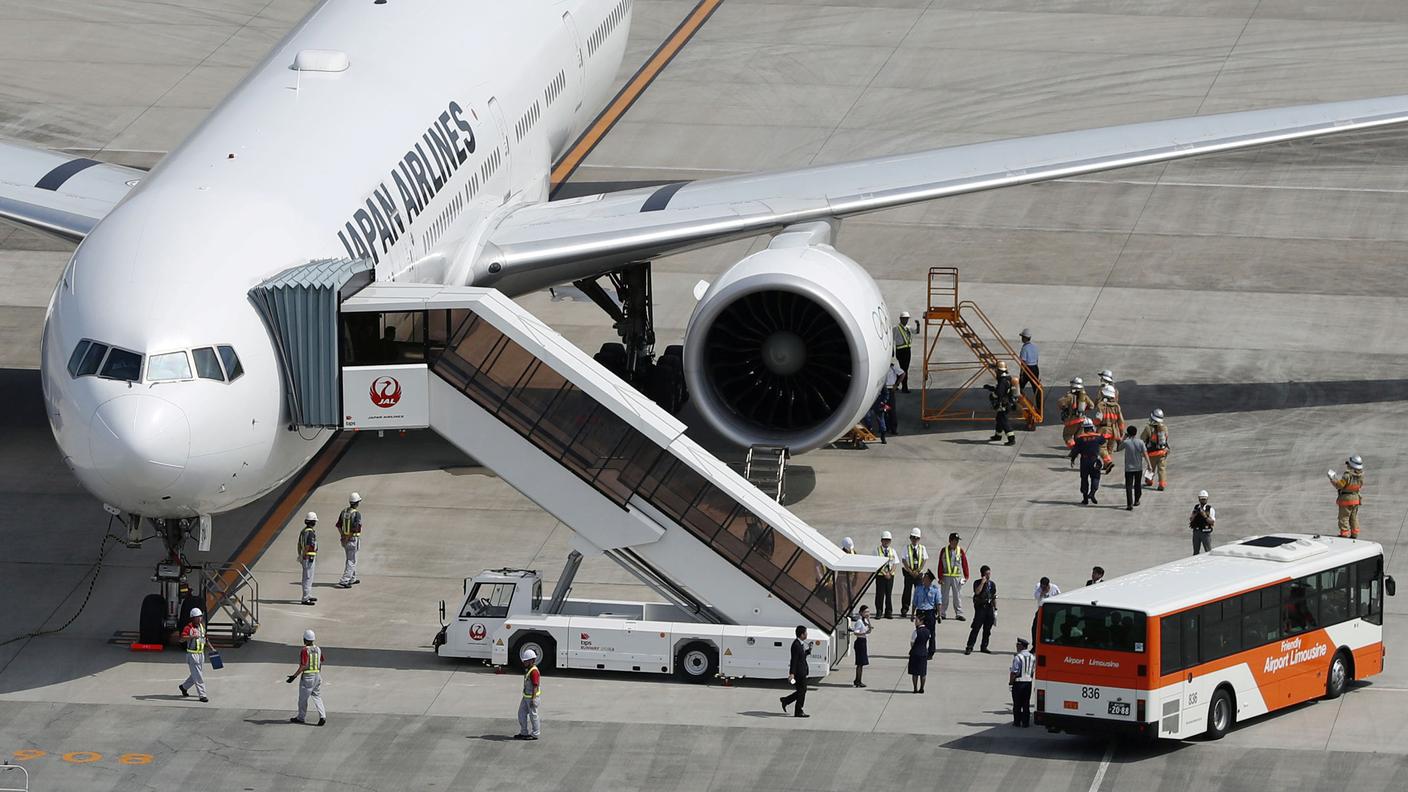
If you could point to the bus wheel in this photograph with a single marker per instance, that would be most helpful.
(697, 662)
(1220, 715)
(1338, 678)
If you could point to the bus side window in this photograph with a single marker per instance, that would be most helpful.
(1261, 611)
(1334, 596)
(1189, 627)
(1369, 597)
(1170, 651)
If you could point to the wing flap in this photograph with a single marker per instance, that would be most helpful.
(59, 193)
(535, 243)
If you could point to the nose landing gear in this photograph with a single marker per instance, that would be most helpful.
(164, 613)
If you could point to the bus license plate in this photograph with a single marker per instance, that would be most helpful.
(1119, 708)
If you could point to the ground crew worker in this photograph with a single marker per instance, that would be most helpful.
(1111, 423)
(1089, 445)
(349, 530)
(1074, 406)
(1156, 439)
(1349, 483)
(1020, 677)
(1030, 357)
(310, 686)
(953, 568)
(1201, 522)
(529, 724)
(904, 339)
(308, 554)
(893, 378)
(885, 578)
(193, 636)
(984, 609)
(912, 567)
(1003, 396)
(1107, 377)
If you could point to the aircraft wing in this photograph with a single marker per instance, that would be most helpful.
(588, 235)
(59, 193)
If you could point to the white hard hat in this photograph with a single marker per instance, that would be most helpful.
(1202, 493)
(1108, 391)
(309, 636)
(355, 497)
(1157, 416)
(1355, 462)
(196, 612)
(527, 654)
(1107, 376)
(1077, 382)
(886, 535)
(1025, 333)
(904, 314)
(1087, 424)
(848, 543)
(312, 517)
(1001, 365)
(914, 533)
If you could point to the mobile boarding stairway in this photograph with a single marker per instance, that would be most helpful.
(510, 392)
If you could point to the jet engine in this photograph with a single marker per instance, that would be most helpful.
(789, 347)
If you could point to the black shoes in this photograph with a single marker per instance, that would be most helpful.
(523, 736)
(801, 715)
(1094, 501)
(296, 719)
(985, 650)
(1129, 508)
(783, 701)
(204, 700)
(321, 721)
(183, 690)
(960, 618)
(1011, 441)
(968, 650)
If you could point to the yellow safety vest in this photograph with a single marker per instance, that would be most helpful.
(906, 335)
(887, 553)
(196, 643)
(304, 549)
(315, 661)
(531, 691)
(953, 562)
(348, 526)
(915, 557)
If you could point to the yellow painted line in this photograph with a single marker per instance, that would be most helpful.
(632, 90)
(284, 509)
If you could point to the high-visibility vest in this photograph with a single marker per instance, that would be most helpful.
(351, 523)
(905, 337)
(530, 690)
(1026, 666)
(953, 561)
(315, 661)
(1349, 486)
(914, 557)
(307, 542)
(887, 553)
(195, 641)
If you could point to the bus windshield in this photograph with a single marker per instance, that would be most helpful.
(1091, 627)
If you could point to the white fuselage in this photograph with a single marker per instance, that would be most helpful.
(448, 113)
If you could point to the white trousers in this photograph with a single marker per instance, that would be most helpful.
(528, 717)
(953, 593)
(308, 577)
(349, 572)
(311, 687)
(195, 661)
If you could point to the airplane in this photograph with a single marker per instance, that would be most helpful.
(420, 137)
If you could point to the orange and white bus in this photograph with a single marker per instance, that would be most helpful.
(1196, 645)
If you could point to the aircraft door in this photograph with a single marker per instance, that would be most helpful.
(497, 113)
(576, 81)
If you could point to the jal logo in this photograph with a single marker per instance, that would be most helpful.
(477, 632)
(586, 637)
(385, 392)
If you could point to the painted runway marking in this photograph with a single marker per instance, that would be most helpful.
(1104, 765)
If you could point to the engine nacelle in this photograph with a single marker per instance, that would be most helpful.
(789, 347)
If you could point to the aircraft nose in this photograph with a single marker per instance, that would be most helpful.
(140, 443)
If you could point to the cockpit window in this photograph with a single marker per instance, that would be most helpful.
(92, 359)
(170, 366)
(76, 359)
(207, 365)
(233, 369)
(122, 365)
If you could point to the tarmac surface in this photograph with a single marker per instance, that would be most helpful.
(1257, 298)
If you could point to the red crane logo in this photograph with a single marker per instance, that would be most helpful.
(385, 392)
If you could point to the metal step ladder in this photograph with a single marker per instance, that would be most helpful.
(232, 591)
(766, 469)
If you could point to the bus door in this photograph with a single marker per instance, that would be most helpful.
(1170, 703)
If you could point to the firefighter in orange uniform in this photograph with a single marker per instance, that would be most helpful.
(1156, 439)
(1074, 405)
(1348, 484)
(1111, 422)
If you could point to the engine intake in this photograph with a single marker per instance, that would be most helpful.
(788, 347)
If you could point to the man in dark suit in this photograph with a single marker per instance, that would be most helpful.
(797, 674)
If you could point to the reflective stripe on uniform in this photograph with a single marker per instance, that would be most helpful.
(1026, 663)
(1349, 487)
(915, 558)
(906, 337)
(530, 690)
(195, 641)
(315, 661)
(953, 562)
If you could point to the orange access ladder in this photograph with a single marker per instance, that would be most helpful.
(965, 317)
